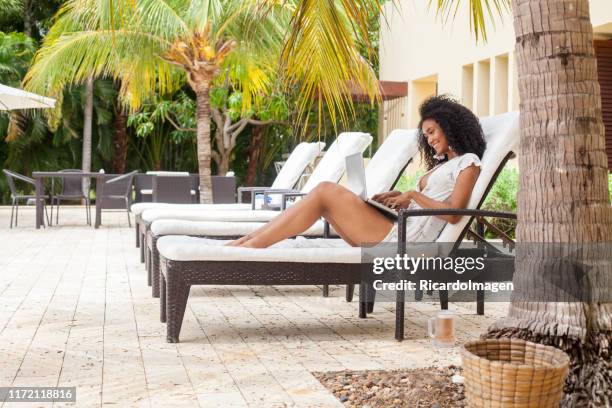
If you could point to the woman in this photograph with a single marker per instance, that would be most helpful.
(451, 145)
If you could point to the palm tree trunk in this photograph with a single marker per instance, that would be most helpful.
(87, 130)
(27, 18)
(255, 146)
(563, 198)
(120, 142)
(203, 139)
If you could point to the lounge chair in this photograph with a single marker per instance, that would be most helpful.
(330, 168)
(71, 190)
(187, 261)
(172, 189)
(11, 176)
(303, 154)
(382, 173)
(115, 193)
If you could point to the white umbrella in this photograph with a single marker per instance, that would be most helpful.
(13, 98)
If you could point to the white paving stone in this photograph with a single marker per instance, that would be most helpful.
(75, 310)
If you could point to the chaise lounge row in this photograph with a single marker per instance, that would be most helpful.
(184, 245)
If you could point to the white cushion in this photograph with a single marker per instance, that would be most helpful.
(502, 133)
(318, 250)
(217, 229)
(300, 249)
(139, 208)
(303, 154)
(332, 165)
(391, 157)
(200, 215)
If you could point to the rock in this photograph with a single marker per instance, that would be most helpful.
(422, 387)
(457, 379)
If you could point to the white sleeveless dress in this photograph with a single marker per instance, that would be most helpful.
(440, 185)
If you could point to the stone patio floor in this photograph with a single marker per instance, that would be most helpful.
(75, 310)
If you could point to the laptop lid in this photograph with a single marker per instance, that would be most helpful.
(355, 175)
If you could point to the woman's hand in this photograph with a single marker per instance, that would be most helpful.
(399, 201)
(383, 196)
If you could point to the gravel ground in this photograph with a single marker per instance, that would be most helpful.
(425, 387)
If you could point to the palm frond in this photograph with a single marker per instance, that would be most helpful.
(322, 59)
(10, 8)
(162, 18)
(199, 12)
(120, 54)
(253, 66)
(479, 12)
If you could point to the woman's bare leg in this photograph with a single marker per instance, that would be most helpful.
(355, 221)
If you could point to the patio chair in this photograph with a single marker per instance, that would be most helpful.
(72, 190)
(303, 154)
(172, 189)
(116, 193)
(223, 189)
(187, 261)
(143, 184)
(11, 176)
(143, 187)
(382, 173)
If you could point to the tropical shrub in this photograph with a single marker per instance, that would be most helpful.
(503, 197)
(408, 181)
(610, 186)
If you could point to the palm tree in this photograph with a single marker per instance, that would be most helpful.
(142, 42)
(563, 199)
(142, 47)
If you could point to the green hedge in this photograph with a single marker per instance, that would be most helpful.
(502, 197)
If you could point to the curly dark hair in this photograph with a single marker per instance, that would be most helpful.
(459, 124)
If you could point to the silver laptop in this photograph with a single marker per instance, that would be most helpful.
(355, 176)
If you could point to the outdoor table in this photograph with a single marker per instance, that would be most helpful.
(38, 176)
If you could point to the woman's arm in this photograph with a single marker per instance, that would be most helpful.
(459, 198)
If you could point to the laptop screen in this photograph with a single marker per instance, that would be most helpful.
(355, 175)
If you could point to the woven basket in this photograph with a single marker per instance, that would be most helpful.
(513, 373)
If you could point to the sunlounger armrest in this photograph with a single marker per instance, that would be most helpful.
(285, 196)
(253, 191)
(281, 191)
(405, 213)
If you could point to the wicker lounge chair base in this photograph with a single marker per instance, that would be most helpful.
(152, 263)
(211, 230)
(177, 277)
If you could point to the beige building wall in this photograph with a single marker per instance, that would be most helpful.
(436, 57)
